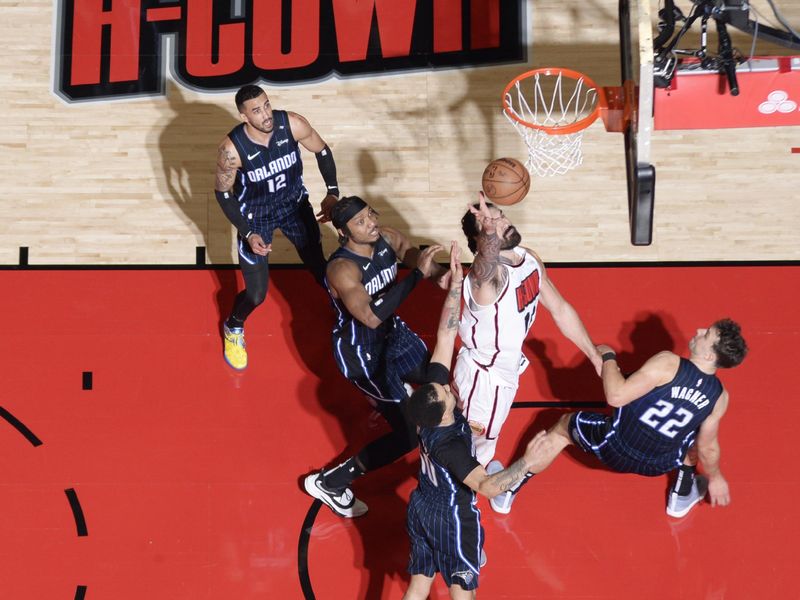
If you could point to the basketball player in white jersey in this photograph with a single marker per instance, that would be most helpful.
(503, 290)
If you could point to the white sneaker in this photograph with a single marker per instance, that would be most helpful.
(679, 506)
(502, 502)
(344, 504)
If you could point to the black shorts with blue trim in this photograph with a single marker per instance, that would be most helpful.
(378, 369)
(594, 433)
(445, 539)
(299, 226)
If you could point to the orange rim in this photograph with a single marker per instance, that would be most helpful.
(561, 129)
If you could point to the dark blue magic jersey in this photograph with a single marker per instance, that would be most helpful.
(446, 458)
(666, 419)
(270, 180)
(378, 274)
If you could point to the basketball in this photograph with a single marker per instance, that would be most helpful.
(505, 181)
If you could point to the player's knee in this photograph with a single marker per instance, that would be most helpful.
(459, 593)
(256, 296)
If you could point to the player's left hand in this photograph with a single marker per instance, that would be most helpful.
(718, 492)
(327, 204)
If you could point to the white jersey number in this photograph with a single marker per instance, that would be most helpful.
(656, 417)
(276, 184)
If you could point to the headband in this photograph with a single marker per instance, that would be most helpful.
(354, 206)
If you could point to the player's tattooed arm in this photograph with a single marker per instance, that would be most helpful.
(486, 276)
(486, 267)
(227, 163)
(493, 485)
(451, 310)
(506, 478)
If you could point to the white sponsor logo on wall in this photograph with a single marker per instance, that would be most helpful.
(777, 101)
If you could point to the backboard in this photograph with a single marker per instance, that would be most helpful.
(636, 67)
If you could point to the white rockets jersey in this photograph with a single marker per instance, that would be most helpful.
(492, 335)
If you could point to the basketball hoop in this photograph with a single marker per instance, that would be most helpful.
(550, 109)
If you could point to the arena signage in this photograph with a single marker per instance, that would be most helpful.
(114, 48)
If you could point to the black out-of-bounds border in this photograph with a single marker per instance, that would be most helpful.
(25, 266)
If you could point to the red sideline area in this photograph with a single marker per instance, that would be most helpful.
(188, 474)
(699, 99)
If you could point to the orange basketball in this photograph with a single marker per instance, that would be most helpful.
(505, 181)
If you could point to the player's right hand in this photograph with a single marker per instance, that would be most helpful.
(258, 246)
(325, 208)
(484, 216)
(425, 259)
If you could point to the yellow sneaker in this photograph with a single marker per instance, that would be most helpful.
(235, 352)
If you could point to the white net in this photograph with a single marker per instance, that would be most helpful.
(554, 101)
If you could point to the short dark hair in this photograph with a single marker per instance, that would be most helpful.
(245, 93)
(424, 408)
(469, 225)
(730, 347)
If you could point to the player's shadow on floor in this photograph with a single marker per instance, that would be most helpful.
(383, 533)
(380, 534)
(186, 138)
(351, 423)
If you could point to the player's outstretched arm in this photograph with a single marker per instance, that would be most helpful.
(494, 485)
(448, 322)
(487, 278)
(413, 257)
(566, 317)
(708, 452)
(304, 133)
(308, 137)
(619, 390)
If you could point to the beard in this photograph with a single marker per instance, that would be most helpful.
(511, 239)
(263, 128)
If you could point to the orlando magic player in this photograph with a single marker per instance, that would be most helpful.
(373, 347)
(259, 185)
(444, 524)
(504, 288)
(666, 416)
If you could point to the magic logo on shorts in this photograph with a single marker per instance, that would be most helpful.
(466, 576)
(115, 48)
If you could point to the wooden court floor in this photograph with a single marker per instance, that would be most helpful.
(136, 464)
